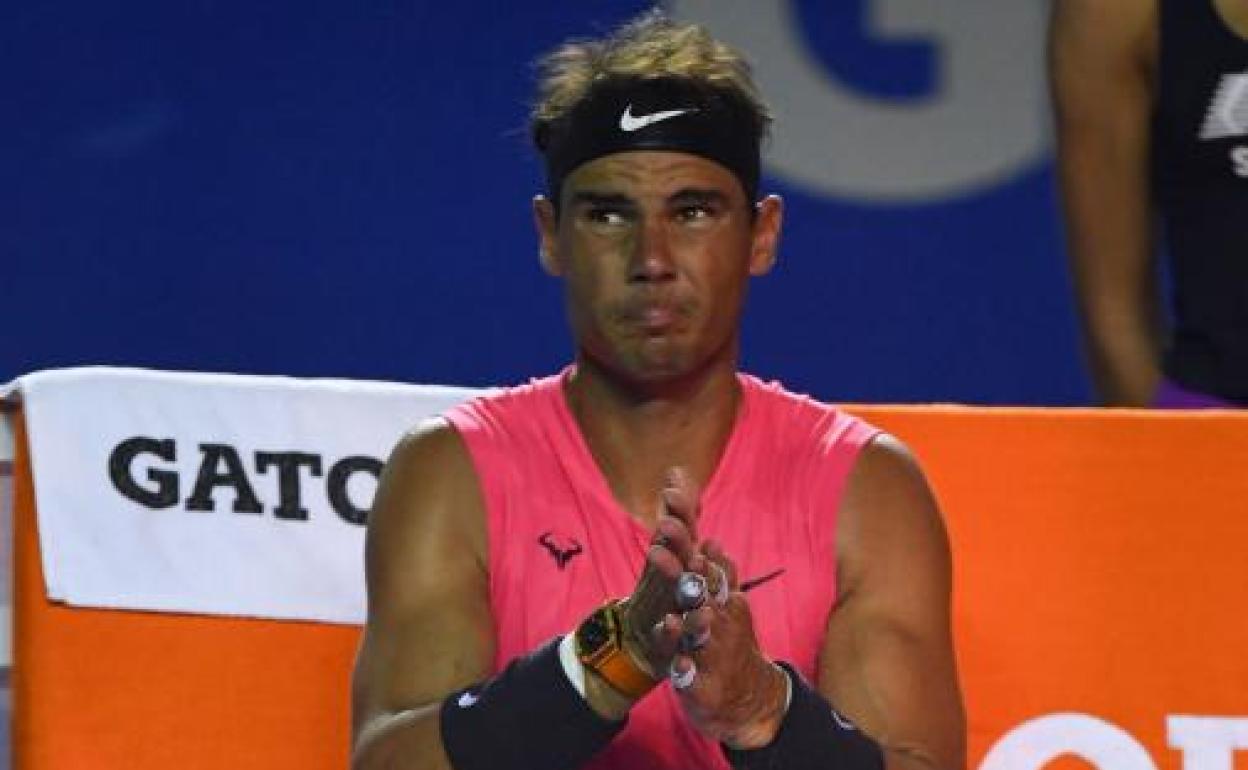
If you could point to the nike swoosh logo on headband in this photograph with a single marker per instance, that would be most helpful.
(630, 122)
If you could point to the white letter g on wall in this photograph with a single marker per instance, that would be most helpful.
(986, 122)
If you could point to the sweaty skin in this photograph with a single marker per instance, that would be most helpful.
(655, 250)
(1103, 66)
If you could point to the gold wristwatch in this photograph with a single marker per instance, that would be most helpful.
(600, 648)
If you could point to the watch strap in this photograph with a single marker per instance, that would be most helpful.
(610, 660)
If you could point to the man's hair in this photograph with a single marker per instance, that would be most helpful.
(650, 46)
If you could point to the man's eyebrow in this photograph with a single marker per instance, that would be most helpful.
(698, 195)
(593, 198)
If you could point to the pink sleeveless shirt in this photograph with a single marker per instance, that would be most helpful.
(560, 544)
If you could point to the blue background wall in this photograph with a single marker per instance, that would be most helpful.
(325, 189)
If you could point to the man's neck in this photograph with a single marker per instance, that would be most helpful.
(636, 434)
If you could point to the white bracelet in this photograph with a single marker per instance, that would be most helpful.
(788, 689)
(572, 668)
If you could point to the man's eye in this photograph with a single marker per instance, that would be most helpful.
(601, 216)
(694, 213)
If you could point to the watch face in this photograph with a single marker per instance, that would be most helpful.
(593, 634)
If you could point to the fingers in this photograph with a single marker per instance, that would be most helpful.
(714, 669)
(710, 575)
(720, 577)
(654, 595)
(683, 672)
(688, 634)
(718, 585)
(695, 630)
(676, 526)
(671, 539)
(680, 496)
(671, 556)
(683, 634)
(680, 574)
(691, 591)
(714, 552)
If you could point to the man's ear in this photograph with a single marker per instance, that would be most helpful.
(546, 222)
(766, 240)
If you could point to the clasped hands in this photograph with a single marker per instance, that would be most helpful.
(703, 637)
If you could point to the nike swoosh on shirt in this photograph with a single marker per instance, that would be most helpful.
(753, 583)
(466, 700)
(630, 122)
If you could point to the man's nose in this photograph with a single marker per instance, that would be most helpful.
(652, 253)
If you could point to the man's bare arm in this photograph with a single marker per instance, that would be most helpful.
(887, 661)
(429, 627)
(1101, 58)
(430, 630)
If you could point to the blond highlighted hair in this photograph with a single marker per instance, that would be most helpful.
(650, 46)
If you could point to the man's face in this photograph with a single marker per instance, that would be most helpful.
(656, 249)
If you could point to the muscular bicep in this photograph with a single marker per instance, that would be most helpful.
(428, 630)
(888, 660)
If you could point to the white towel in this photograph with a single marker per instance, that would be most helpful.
(125, 460)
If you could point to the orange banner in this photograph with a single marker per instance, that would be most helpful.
(1100, 564)
(1101, 574)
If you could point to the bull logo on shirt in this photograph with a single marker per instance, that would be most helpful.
(561, 552)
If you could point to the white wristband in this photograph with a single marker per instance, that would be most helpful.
(788, 689)
(572, 668)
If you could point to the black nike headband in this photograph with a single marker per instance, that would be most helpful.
(668, 113)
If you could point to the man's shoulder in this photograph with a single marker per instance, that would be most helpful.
(797, 415)
(432, 444)
(497, 407)
(775, 392)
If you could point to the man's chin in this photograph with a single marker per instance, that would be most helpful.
(652, 372)
(660, 362)
(654, 363)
